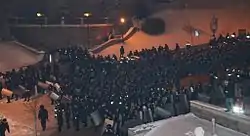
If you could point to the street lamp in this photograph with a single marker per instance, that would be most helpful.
(87, 15)
(122, 20)
(40, 15)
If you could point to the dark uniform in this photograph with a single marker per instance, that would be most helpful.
(67, 115)
(122, 51)
(76, 116)
(108, 131)
(60, 119)
(1, 87)
(43, 117)
(8, 85)
(3, 127)
(229, 94)
(83, 115)
(27, 94)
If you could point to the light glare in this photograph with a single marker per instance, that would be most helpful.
(237, 109)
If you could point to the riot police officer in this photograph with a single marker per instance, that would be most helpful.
(83, 115)
(67, 115)
(60, 118)
(76, 117)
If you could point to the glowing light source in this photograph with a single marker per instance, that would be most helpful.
(122, 20)
(39, 14)
(87, 14)
(238, 110)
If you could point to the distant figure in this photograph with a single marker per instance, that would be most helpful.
(122, 52)
(60, 117)
(62, 20)
(1, 87)
(4, 126)
(67, 115)
(27, 95)
(177, 47)
(108, 131)
(230, 95)
(43, 116)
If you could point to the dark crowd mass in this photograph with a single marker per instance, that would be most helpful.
(142, 85)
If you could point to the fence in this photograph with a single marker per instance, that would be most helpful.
(49, 21)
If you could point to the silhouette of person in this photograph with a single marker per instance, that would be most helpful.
(60, 119)
(122, 51)
(43, 116)
(4, 126)
(67, 115)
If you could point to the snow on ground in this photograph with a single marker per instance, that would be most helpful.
(12, 56)
(186, 125)
(21, 120)
(15, 56)
(21, 117)
(229, 20)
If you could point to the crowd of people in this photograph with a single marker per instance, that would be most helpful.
(123, 88)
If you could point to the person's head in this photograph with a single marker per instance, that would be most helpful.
(4, 120)
(41, 106)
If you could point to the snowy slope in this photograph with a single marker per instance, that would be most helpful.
(176, 20)
(15, 56)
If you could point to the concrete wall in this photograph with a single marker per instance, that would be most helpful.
(56, 36)
(240, 123)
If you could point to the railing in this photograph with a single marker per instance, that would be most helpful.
(66, 21)
(116, 40)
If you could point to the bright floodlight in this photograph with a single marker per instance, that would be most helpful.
(238, 110)
(233, 35)
(87, 14)
(248, 36)
(38, 14)
(122, 20)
